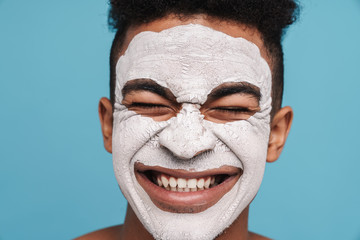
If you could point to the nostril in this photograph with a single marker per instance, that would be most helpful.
(177, 154)
(165, 148)
(201, 152)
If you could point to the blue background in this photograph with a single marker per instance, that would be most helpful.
(56, 179)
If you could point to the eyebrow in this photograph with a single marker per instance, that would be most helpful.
(146, 85)
(235, 88)
(223, 90)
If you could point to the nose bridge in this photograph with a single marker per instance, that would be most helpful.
(186, 136)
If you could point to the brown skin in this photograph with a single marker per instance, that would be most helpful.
(280, 125)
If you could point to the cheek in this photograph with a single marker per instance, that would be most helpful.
(247, 139)
(131, 132)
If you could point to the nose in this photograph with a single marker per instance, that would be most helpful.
(186, 136)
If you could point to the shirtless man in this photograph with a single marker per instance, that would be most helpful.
(194, 114)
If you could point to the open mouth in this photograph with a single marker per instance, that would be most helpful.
(171, 183)
(184, 191)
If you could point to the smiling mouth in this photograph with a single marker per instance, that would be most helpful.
(182, 191)
(174, 184)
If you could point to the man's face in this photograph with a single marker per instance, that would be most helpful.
(191, 124)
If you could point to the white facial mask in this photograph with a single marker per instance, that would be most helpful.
(191, 60)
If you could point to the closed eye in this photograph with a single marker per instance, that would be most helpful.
(150, 104)
(146, 105)
(154, 110)
(235, 109)
(228, 113)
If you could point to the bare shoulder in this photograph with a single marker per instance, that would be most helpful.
(109, 233)
(254, 236)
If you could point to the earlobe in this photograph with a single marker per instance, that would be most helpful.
(106, 121)
(280, 128)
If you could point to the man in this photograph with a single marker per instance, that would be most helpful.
(194, 113)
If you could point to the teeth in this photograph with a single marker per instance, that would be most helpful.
(181, 183)
(200, 183)
(172, 182)
(165, 181)
(185, 185)
(191, 183)
(206, 183)
(212, 181)
(159, 182)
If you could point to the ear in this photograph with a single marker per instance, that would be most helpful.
(106, 121)
(280, 128)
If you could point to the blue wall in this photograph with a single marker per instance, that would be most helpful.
(56, 180)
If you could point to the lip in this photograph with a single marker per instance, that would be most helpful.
(186, 202)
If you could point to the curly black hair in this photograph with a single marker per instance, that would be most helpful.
(270, 17)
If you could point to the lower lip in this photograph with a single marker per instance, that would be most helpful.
(185, 202)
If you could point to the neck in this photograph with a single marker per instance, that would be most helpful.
(238, 230)
(133, 228)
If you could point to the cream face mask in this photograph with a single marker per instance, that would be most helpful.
(188, 178)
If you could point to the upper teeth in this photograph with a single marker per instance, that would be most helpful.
(185, 185)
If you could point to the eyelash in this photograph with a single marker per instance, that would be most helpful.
(234, 110)
(147, 105)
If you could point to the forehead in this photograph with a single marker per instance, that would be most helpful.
(231, 28)
(191, 60)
